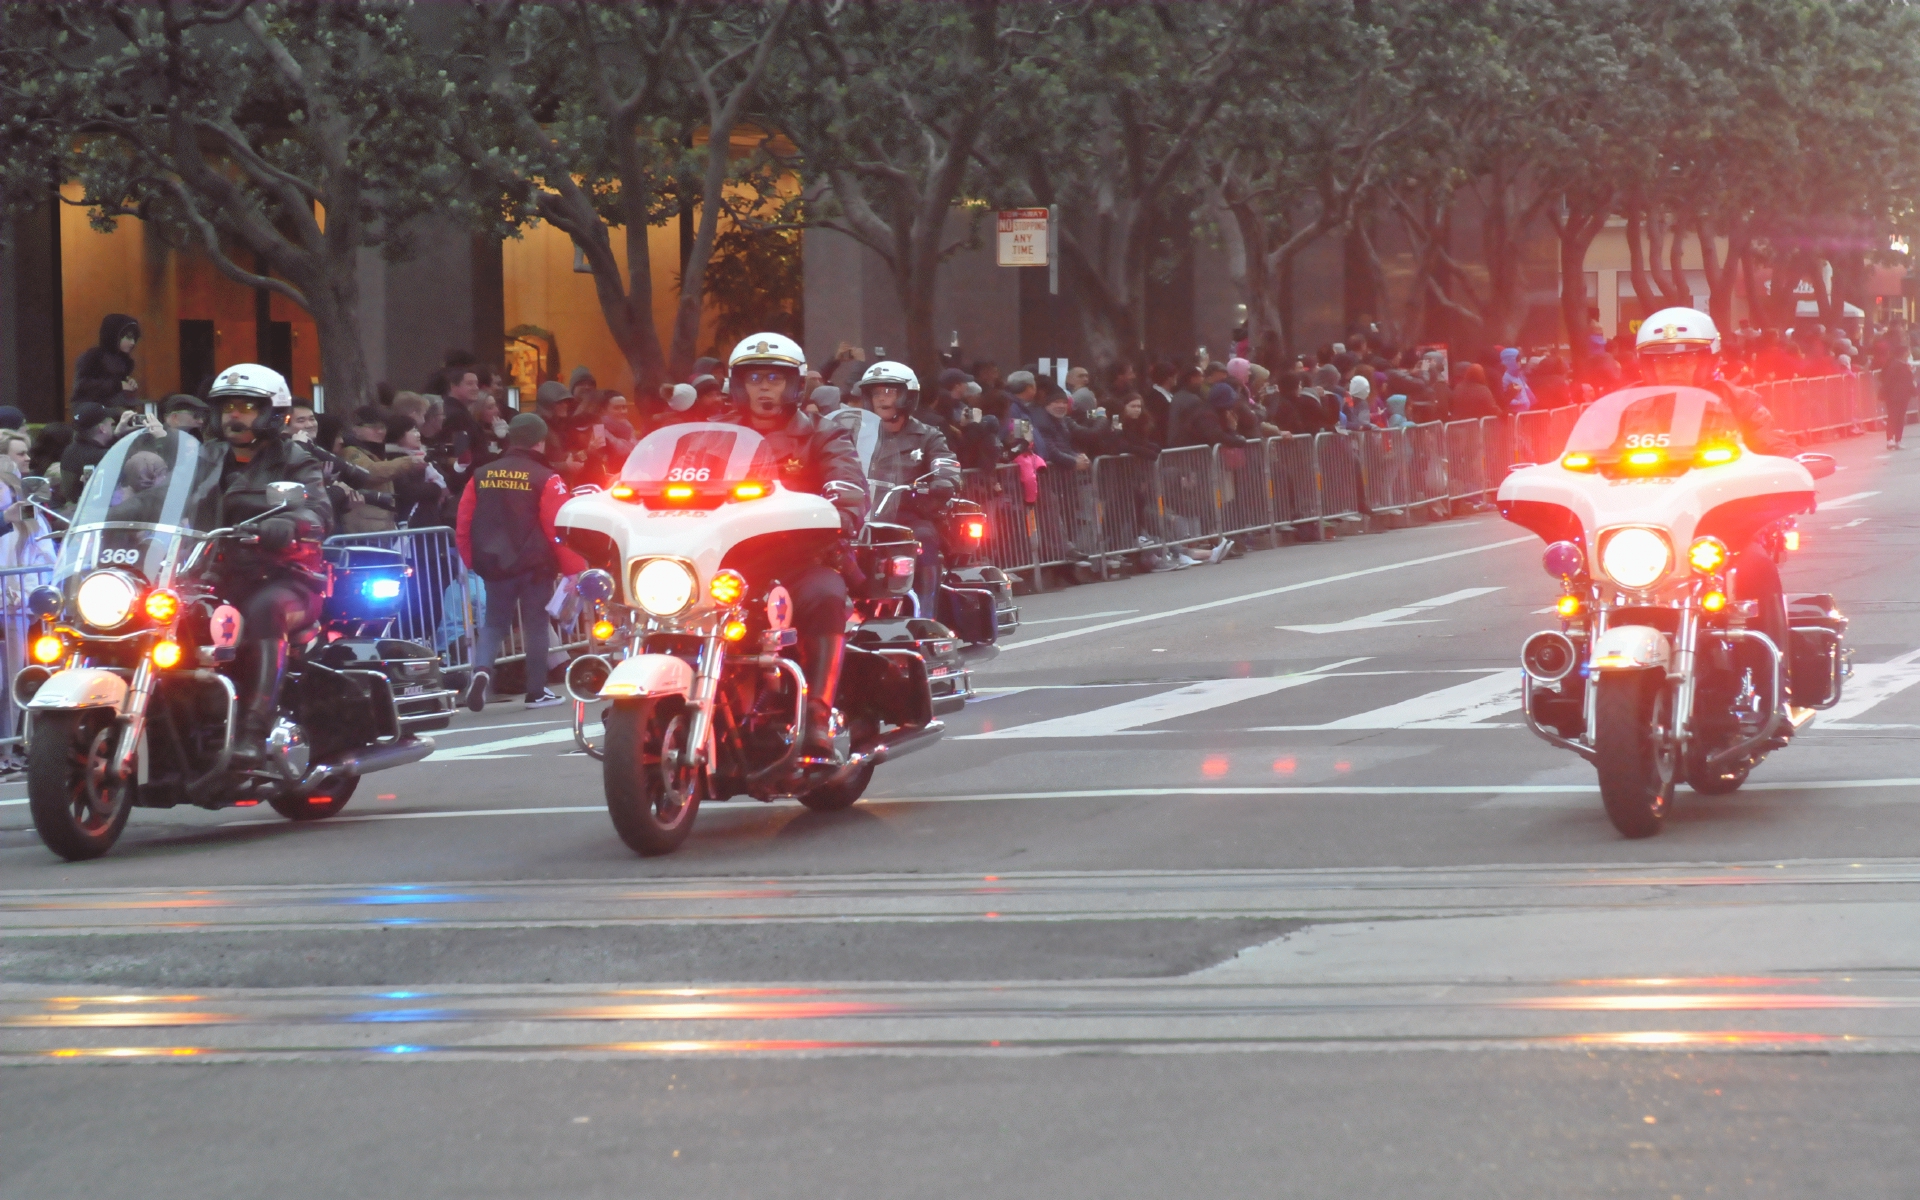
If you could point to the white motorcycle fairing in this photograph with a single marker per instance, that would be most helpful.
(648, 675)
(1632, 647)
(1731, 501)
(81, 687)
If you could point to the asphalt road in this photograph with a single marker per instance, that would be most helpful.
(1242, 880)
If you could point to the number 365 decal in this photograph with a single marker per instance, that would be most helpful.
(1648, 441)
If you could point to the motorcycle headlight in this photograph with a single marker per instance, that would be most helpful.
(663, 587)
(1636, 558)
(105, 599)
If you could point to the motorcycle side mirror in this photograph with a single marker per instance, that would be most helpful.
(37, 485)
(1818, 465)
(286, 494)
(595, 585)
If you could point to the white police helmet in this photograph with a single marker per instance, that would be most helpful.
(893, 374)
(1677, 331)
(254, 381)
(767, 349)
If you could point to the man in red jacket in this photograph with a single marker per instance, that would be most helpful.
(506, 537)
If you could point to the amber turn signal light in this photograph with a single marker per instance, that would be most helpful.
(1713, 602)
(166, 654)
(602, 631)
(620, 491)
(48, 649)
(1708, 555)
(749, 491)
(162, 607)
(1577, 462)
(1567, 606)
(733, 631)
(727, 587)
(678, 491)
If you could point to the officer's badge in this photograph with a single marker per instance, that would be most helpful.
(918, 455)
(793, 466)
(779, 608)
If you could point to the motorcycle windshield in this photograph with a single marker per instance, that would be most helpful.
(700, 454)
(150, 501)
(1674, 420)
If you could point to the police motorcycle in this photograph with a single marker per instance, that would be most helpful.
(690, 661)
(128, 698)
(1663, 667)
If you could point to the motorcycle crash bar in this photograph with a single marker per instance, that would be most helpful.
(371, 759)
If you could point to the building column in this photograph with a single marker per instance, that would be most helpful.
(33, 370)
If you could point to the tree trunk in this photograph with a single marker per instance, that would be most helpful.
(1576, 228)
(1719, 273)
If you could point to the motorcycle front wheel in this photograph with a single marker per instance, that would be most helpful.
(651, 802)
(77, 811)
(1633, 751)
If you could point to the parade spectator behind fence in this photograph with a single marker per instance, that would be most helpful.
(28, 538)
(94, 430)
(474, 430)
(1515, 394)
(1223, 398)
(419, 491)
(1163, 376)
(1356, 412)
(365, 446)
(1189, 421)
(103, 374)
(1472, 398)
(506, 536)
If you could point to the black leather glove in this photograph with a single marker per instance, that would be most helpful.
(276, 533)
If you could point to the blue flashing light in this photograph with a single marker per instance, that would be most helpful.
(382, 589)
(401, 1049)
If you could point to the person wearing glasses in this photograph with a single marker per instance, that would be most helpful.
(765, 377)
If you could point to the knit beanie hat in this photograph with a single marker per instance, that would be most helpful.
(526, 431)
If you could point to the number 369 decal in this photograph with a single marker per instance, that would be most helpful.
(125, 558)
(1648, 441)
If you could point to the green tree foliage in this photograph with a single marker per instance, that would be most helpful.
(600, 116)
(280, 139)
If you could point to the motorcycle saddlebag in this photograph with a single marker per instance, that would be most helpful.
(887, 685)
(969, 612)
(1818, 663)
(879, 547)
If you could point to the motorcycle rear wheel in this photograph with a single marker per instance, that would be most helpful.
(312, 805)
(650, 817)
(1634, 757)
(837, 796)
(77, 816)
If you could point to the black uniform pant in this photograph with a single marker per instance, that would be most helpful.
(819, 600)
(269, 610)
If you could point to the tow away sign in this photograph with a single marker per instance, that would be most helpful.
(1023, 237)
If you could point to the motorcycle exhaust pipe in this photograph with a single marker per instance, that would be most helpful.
(1549, 656)
(371, 759)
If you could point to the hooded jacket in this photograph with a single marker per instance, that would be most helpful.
(100, 369)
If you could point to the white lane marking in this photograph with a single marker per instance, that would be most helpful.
(440, 733)
(1845, 501)
(1261, 595)
(1855, 521)
(1468, 789)
(1462, 706)
(22, 800)
(1392, 616)
(1117, 719)
(1872, 684)
(1118, 612)
(485, 749)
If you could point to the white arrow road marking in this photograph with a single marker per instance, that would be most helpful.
(1116, 720)
(1846, 501)
(1872, 684)
(1392, 616)
(1463, 706)
(1855, 521)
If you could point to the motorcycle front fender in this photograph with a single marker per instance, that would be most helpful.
(648, 675)
(81, 687)
(1632, 648)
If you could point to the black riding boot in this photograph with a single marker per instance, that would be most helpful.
(820, 660)
(262, 664)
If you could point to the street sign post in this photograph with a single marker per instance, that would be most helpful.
(1023, 237)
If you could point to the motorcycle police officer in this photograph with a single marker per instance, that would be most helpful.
(909, 450)
(277, 582)
(1680, 347)
(765, 375)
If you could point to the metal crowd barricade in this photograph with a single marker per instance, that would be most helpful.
(1246, 490)
(17, 628)
(1427, 463)
(1466, 461)
(1189, 494)
(1385, 466)
(1009, 519)
(1292, 475)
(1126, 505)
(441, 606)
(1342, 486)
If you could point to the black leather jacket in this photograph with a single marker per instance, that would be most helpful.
(818, 457)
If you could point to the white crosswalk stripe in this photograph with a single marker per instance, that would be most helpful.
(1463, 706)
(1126, 718)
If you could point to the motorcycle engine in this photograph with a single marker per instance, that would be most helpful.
(289, 743)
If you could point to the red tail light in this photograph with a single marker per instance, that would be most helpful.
(976, 530)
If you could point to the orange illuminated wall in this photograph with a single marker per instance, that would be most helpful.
(133, 271)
